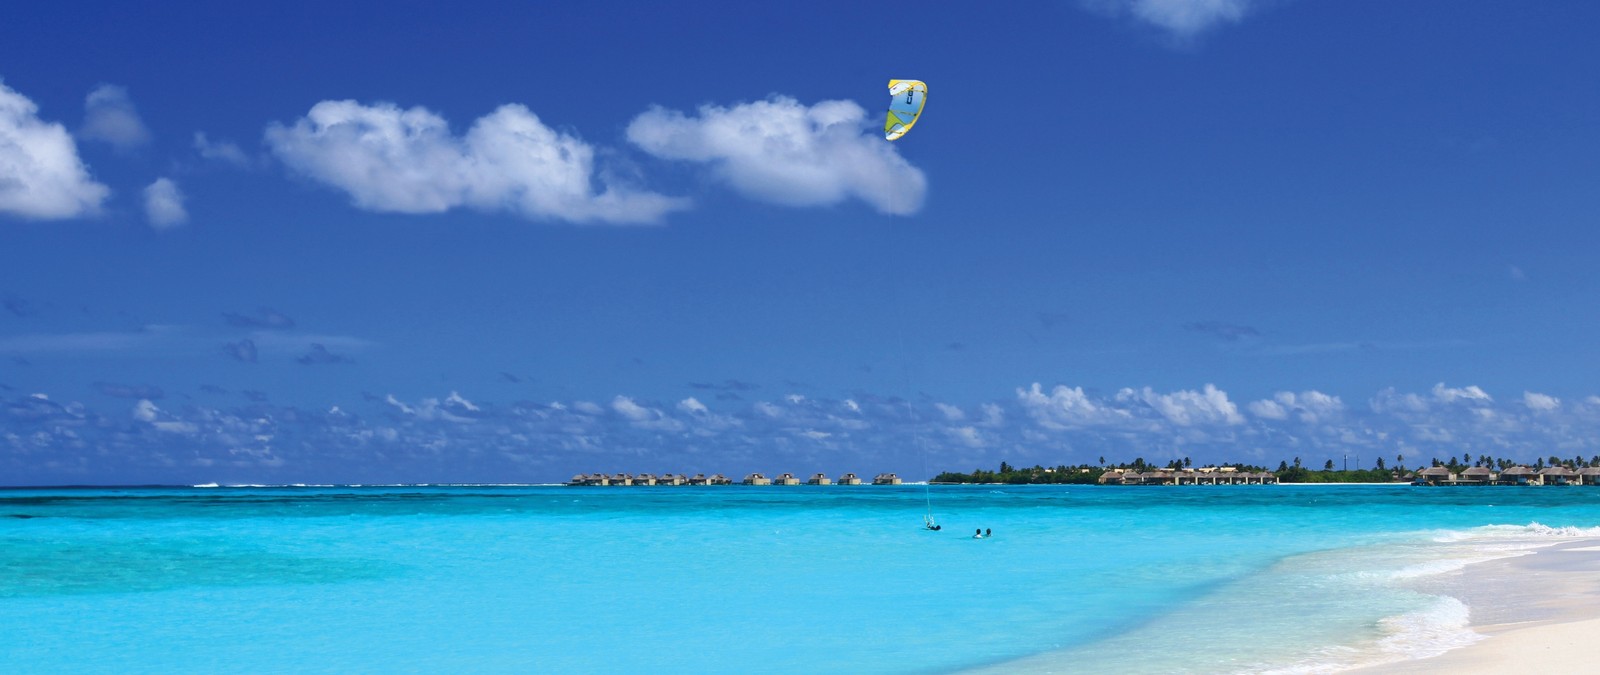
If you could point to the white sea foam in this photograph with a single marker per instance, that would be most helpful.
(1432, 630)
(205, 485)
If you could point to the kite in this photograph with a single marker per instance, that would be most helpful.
(906, 98)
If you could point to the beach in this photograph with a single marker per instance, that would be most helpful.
(1538, 612)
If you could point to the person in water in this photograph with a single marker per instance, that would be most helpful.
(978, 534)
(987, 533)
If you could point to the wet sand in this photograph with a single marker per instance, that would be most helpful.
(1538, 613)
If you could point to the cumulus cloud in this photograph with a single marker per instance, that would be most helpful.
(1186, 407)
(1469, 394)
(784, 152)
(226, 152)
(1180, 18)
(109, 116)
(41, 175)
(1066, 407)
(163, 204)
(1536, 401)
(409, 161)
(1310, 407)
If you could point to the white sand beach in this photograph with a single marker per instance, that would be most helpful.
(1538, 613)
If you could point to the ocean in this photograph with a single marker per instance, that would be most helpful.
(1287, 578)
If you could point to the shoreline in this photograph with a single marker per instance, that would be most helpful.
(1537, 612)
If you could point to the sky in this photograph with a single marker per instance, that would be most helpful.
(406, 242)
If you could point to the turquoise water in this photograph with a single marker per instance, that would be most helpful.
(733, 579)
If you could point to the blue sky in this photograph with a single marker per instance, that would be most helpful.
(409, 242)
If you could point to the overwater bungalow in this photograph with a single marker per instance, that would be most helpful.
(621, 479)
(1478, 475)
(886, 479)
(699, 479)
(849, 479)
(1520, 475)
(644, 479)
(757, 479)
(1589, 475)
(586, 479)
(1112, 477)
(670, 479)
(819, 479)
(1436, 475)
(786, 479)
(719, 479)
(1558, 475)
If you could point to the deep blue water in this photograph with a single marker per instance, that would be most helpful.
(734, 579)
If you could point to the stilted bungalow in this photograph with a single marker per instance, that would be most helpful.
(699, 479)
(1589, 475)
(644, 479)
(1558, 475)
(849, 479)
(886, 479)
(786, 479)
(719, 479)
(819, 479)
(621, 479)
(757, 479)
(1478, 475)
(670, 479)
(1520, 475)
(586, 479)
(1436, 475)
(1112, 477)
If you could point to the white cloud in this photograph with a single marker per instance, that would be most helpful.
(1311, 407)
(784, 152)
(967, 436)
(1066, 407)
(1181, 18)
(408, 161)
(1187, 407)
(41, 175)
(1390, 400)
(163, 204)
(1271, 410)
(951, 413)
(220, 151)
(1468, 394)
(693, 406)
(644, 417)
(1536, 401)
(109, 116)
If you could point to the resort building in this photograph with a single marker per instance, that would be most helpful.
(1589, 475)
(1478, 475)
(719, 479)
(644, 479)
(757, 479)
(1436, 475)
(886, 479)
(849, 479)
(621, 479)
(1226, 475)
(1558, 475)
(1520, 475)
(670, 479)
(819, 479)
(786, 479)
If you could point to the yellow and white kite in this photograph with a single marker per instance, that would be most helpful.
(906, 98)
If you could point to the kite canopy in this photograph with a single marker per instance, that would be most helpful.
(905, 106)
